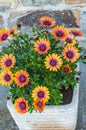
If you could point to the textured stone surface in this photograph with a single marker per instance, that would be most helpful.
(9, 3)
(84, 21)
(80, 118)
(1, 21)
(82, 42)
(27, 2)
(15, 15)
(75, 1)
(68, 18)
(6, 121)
(39, 2)
(44, 2)
(81, 124)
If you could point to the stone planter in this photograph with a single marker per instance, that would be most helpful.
(62, 117)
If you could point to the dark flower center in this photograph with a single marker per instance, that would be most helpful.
(7, 77)
(39, 104)
(4, 36)
(22, 105)
(53, 62)
(66, 70)
(59, 33)
(40, 94)
(70, 54)
(42, 47)
(8, 62)
(47, 23)
(75, 33)
(11, 31)
(69, 40)
(22, 78)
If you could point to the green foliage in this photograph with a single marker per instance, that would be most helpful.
(22, 46)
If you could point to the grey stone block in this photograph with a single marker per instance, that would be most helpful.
(80, 118)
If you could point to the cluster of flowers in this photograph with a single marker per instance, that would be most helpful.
(5, 33)
(53, 62)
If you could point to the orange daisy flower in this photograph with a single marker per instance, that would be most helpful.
(70, 40)
(59, 32)
(4, 34)
(76, 32)
(42, 46)
(70, 53)
(21, 78)
(40, 93)
(21, 105)
(66, 69)
(7, 61)
(39, 105)
(6, 78)
(53, 62)
(47, 21)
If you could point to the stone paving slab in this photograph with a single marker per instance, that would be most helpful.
(81, 124)
(6, 121)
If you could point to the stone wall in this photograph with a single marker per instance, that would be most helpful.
(70, 13)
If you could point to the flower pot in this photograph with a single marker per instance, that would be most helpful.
(62, 117)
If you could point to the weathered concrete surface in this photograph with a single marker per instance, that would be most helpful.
(81, 124)
(6, 121)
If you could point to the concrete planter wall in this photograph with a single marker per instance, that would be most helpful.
(63, 117)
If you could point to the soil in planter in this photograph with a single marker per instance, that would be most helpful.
(67, 94)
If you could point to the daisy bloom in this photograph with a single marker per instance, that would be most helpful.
(7, 61)
(66, 69)
(76, 32)
(42, 46)
(59, 32)
(47, 21)
(39, 105)
(70, 53)
(6, 78)
(40, 93)
(21, 105)
(70, 40)
(13, 31)
(4, 34)
(21, 78)
(53, 62)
